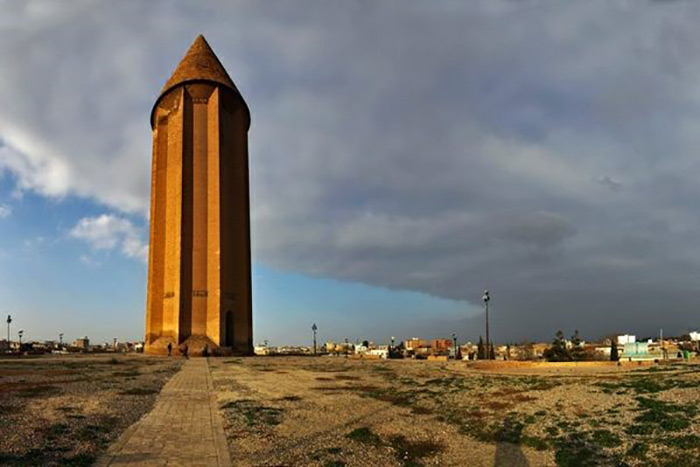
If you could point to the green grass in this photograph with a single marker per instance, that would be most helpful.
(606, 438)
(364, 435)
(576, 450)
(253, 413)
(139, 392)
(37, 391)
(391, 395)
(410, 453)
(638, 450)
(665, 416)
(683, 442)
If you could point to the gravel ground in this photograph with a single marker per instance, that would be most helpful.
(65, 410)
(332, 411)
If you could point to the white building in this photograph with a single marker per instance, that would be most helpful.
(626, 339)
(695, 336)
(360, 349)
(383, 353)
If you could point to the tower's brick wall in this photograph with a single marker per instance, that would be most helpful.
(199, 280)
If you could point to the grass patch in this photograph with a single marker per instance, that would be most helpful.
(346, 377)
(37, 391)
(665, 416)
(290, 399)
(364, 435)
(575, 450)
(606, 438)
(683, 442)
(410, 453)
(391, 395)
(253, 413)
(95, 432)
(638, 451)
(422, 410)
(647, 384)
(56, 430)
(139, 392)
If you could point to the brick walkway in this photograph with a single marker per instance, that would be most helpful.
(184, 428)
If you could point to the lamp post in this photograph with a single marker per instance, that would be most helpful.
(314, 328)
(19, 333)
(9, 320)
(60, 339)
(487, 298)
(454, 339)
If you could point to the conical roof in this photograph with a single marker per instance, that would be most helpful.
(199, 63)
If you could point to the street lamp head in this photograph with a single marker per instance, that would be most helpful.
(314, 328)
(9, 319)
(486, 296)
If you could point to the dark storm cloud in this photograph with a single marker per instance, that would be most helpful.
(545, 150)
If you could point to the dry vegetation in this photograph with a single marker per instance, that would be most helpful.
(335, 412)
(65, 410)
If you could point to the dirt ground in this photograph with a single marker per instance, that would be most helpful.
(333, 411)
(67, 409)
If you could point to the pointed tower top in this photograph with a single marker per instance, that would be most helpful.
(199, 63)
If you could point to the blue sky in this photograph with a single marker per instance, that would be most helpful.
(53, 283)
(405, 155)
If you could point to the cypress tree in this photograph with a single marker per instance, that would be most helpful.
(613, 351)
(480, 352)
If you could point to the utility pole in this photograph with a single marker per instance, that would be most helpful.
(487, 298)
(314, 328)
(663, 344)
(454, 339)
(9, 320)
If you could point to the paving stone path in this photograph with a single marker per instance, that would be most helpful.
(184, 428)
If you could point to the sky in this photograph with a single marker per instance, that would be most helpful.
(404, 156)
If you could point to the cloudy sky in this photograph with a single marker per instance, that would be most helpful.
(405, 155)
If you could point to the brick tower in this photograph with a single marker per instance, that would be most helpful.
(199, 276)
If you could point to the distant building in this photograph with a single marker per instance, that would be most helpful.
(261, 350)
(441, 344)
(381, 353)
(82, 343)
(361, 349)
(637, 351)
(694, 336)
(415, 343)
(626, 339)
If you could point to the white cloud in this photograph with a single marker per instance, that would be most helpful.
(109, 232)
(5, 211)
